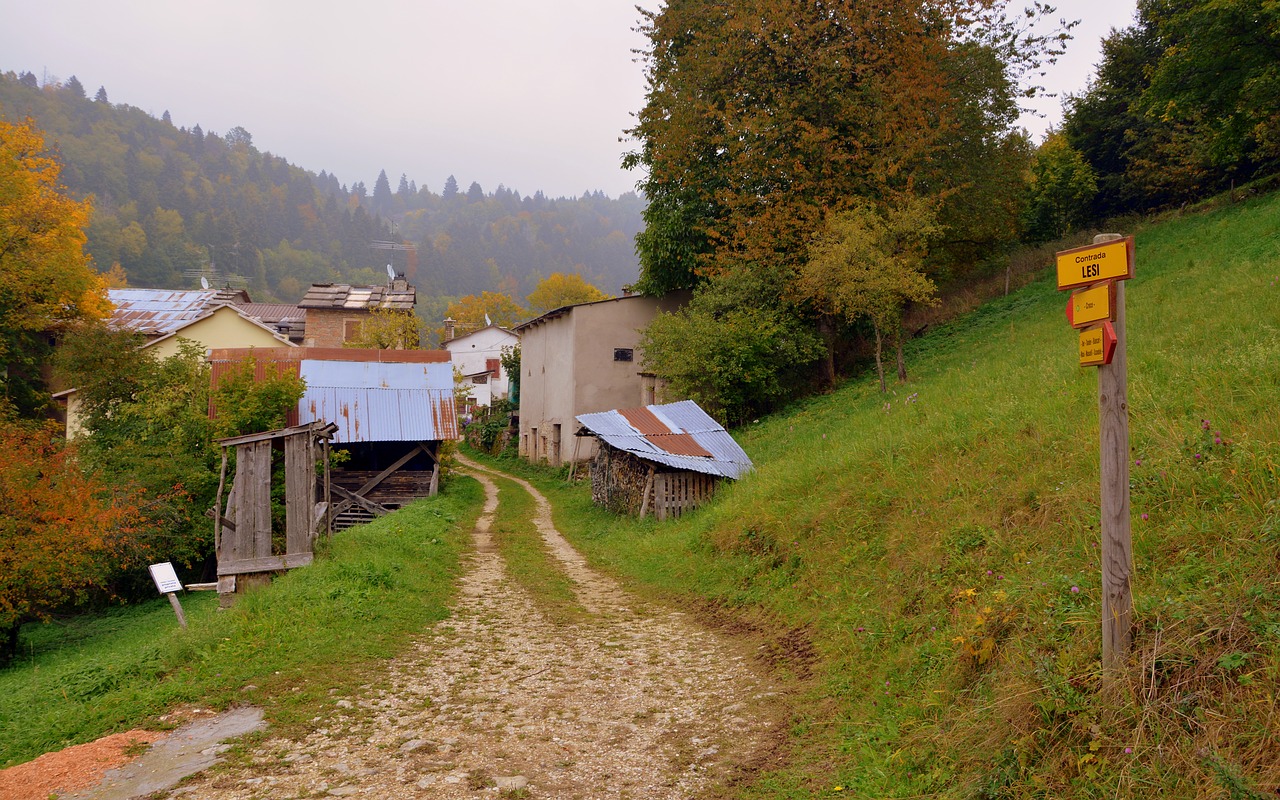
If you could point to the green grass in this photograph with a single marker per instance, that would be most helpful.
(528, 560)
(928, 541)
(327, 626)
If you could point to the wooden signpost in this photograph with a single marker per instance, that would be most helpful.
(1103, 267)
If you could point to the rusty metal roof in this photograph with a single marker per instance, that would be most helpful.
(157, 312)
(372, 395)
(679, 435)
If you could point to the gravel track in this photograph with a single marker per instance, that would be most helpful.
(634, 702)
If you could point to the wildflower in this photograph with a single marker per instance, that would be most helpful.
(1138, 463)
(1217, 440)
(1128, 750)
(1144, 516)
(1204, 424)
(1197, 456)
(1075, 590)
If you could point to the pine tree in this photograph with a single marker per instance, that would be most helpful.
(101, 96)
(382, 193)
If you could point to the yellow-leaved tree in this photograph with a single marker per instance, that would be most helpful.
(562, 289)
(868, 263)
(46, 278)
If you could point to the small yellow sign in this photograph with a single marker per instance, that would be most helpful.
(1091, 305)
(1097, 345)
(1083, 266)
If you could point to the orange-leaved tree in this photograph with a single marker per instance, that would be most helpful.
(63, 534)
(46, 279)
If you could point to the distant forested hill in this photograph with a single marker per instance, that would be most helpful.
(170, 201)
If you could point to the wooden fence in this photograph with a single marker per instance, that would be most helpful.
(677, 492)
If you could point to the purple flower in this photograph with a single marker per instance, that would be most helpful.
(1075, 590)
(1144, 516)
(1197, 455)
(1128, 750)
(1138, 463)
(1217, 440)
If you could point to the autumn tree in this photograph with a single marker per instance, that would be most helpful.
(562, 289)
(765, 117)
(46, 280)
(472, 311)
(868, 263)
(63, 533)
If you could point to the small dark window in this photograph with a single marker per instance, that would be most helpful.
(623, 354)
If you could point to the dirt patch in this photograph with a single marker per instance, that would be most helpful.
(73, 768)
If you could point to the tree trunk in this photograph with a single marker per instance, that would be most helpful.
(9, 643)
(902, 364)
(827, 328)
(879, 358)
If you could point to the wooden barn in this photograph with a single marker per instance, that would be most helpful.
(659, 459)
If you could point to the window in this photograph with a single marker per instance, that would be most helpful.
(481, 379)
(623, 354)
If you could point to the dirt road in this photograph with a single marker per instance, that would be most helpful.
(634, 702)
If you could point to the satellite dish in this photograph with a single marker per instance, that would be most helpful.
(204, 282)
(391, 273)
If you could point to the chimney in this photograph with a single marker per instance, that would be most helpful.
(449, 322)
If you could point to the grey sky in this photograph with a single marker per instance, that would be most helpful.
(532, 95)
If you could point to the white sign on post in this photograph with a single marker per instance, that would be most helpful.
(166, 579)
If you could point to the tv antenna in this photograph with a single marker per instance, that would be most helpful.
(411, 256)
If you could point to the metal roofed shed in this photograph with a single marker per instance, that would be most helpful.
(392, 409)
(667, 459)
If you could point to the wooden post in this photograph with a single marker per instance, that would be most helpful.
(1117, 546)
(177, 608)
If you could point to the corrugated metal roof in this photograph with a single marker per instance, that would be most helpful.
(156, 312)
(372, 395)
(672, 434)
(381, 415)
(159, 312)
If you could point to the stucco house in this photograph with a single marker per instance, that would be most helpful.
(578, 360)
(168, 318)
(477, 357)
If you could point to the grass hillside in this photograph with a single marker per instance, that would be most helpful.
(939, 545)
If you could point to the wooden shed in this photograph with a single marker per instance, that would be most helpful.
(660, 459)
(248, 547)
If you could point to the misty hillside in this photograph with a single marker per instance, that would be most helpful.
(170, 202)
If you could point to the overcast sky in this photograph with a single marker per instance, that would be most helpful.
(531, 94)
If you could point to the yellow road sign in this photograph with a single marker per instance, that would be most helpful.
(1097, 345)
(1094, 263)
(1092, 305)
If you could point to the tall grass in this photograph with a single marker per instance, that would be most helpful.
(940, 545)
(323, 627)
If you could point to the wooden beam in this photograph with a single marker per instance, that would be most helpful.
(404, 459)
(323, 430)
(267, 564)
(355, 498)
